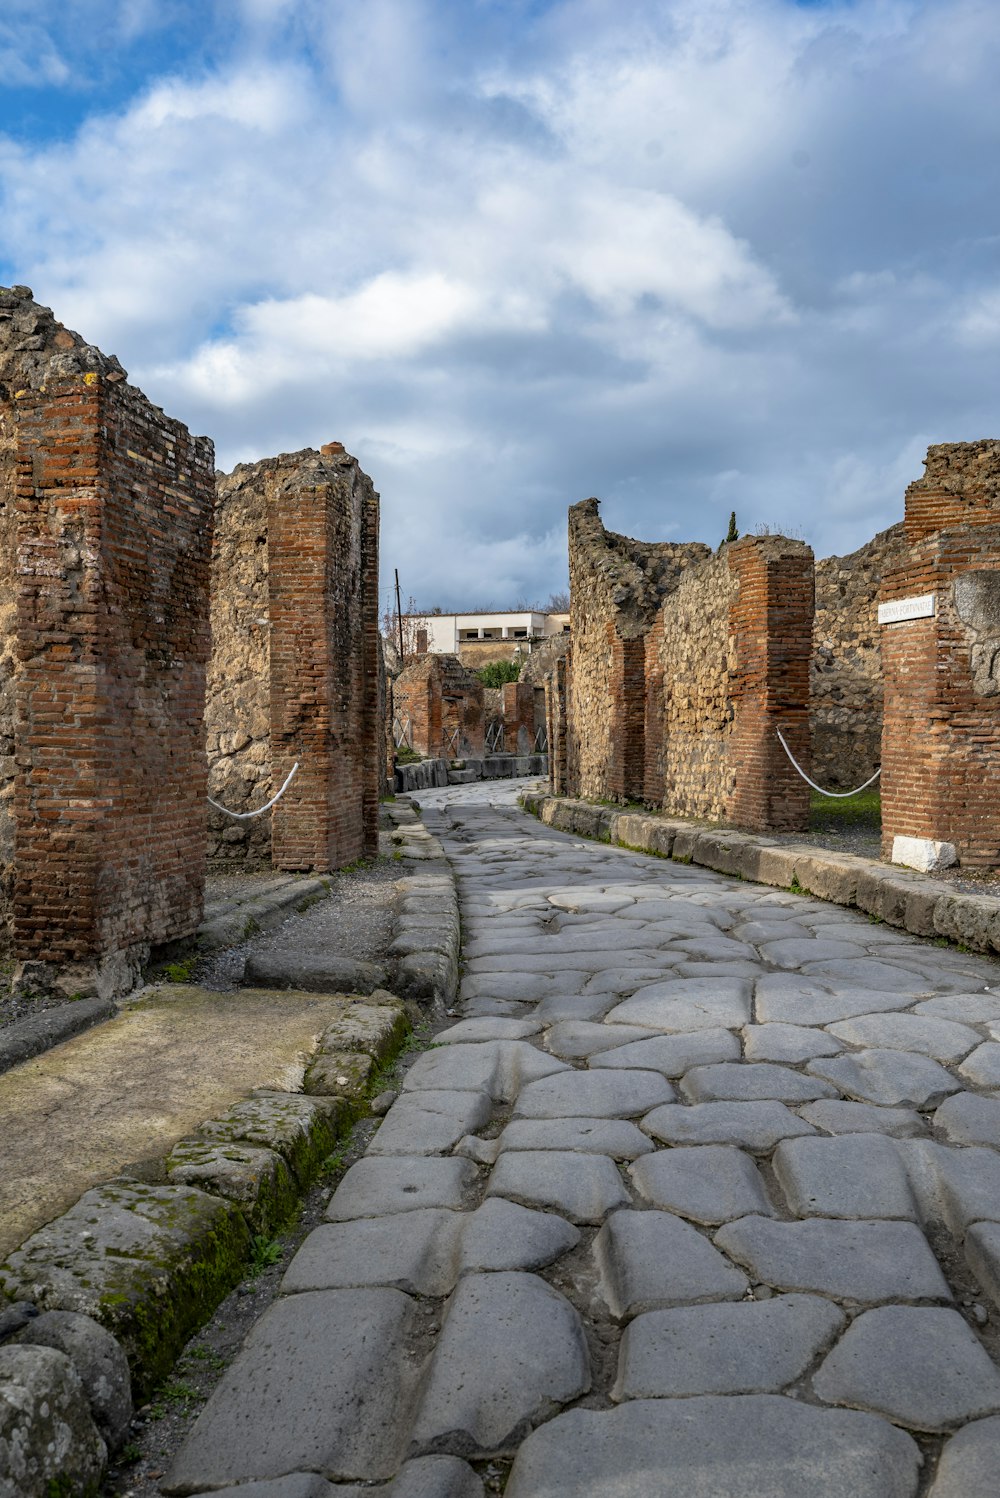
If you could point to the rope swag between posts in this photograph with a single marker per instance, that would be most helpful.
(840, 795)
(243, 816)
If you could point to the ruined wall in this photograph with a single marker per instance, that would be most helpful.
(518, 717)
(238, 703)
(941, 733)
(616, 588)
(34, 347)
(296, 671)
(444, 704)
(113, 535)
(845, 709)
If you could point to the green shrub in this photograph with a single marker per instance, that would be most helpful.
(497, 673)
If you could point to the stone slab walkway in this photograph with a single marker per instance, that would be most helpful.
(700, 1198)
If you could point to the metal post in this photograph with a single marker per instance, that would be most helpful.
(399, 616)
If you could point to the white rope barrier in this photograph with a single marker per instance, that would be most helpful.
(242, 816)
(840, 795)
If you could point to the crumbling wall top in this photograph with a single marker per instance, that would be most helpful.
(636, 575)
(35, 348)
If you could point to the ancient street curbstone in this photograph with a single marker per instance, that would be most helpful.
(150, 1263)
(303, 1130)
(256, 1179)
(313, 972)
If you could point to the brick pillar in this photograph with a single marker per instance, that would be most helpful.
(322, 568)
(771, 624)
(941, 725)
(518, 717)
(627, 765)
(653, 773)
(114, 531)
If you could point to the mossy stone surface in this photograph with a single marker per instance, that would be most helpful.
(255, 1178)
(303, 1130)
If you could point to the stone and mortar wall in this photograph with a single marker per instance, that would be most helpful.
(616, 588)
(845, 679)
(683, 666)
(941, 735)
(296, 671)
(113, 535)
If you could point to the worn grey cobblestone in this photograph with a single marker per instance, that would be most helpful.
(697, 1199)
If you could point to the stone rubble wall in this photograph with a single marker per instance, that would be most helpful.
(845, 679)
(616, 588)
(683, 665)
(113, 535)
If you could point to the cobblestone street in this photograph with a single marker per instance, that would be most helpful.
(698, 1198)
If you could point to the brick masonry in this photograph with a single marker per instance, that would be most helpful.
(941, 737)
(443, 704)
(683, 665)
(112, 536)
(296, 671)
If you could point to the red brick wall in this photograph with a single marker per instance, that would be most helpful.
(444, 702)
(941, 732)
(771, 624)
(114, 530)
(518, 717)
(323, 589)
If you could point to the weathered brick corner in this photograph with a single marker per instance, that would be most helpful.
(105, 541)
(440, 705)
(296, 672)
(941, 731)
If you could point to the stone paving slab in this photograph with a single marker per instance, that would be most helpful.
(377, 1186)
(851, 1261)
(754, 1126)
(970, 1462)
(599, 1094)
(337, 1401)
(714, 1447)
(672, 1055)
(652, 1259)
(712, 1184)
(748, 1347)
(584, 1187)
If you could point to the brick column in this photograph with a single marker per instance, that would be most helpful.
(771, 624)
(555, 726)
(518, 717)
(322, 567)
(114, 532)
(941, 725)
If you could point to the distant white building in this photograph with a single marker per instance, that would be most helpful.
(448, 634)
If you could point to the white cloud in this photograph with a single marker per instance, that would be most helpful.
(688, 254)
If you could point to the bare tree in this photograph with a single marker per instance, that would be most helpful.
(558, 603)
(393, 626)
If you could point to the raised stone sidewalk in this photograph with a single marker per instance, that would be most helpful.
(700, 1198)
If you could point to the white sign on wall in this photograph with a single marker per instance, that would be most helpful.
(901, 609)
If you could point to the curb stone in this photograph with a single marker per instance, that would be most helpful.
(911, 901)
(425, 952)
(151, 1262)
(430, 773)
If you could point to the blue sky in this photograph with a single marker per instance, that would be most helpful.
(687, 255)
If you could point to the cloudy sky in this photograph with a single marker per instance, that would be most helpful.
(686, 255)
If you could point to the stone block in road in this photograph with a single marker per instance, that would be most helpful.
(966, 1118)
(590, 1094)
(751, 1082)
(573, 1039)
(489, 1029)
(965, 1008)
(970, 1462)
(583, 1187)
(786, 998)
(855, 1175)
(326, 1381)
(431, 1477)
(429, 1121)
(941, 1039)
(749, 1347)
(682, 1004)
(954, 1187)
(499, 1067)
(379, 1185)
(754, 1126)
(982, 1251)
(716, 1447)
(920, 1365)
(672, 1055)
(791, 1043)
(896, 1078)
(616, 1137)
(511, 1351)
(863, 1118)
(711, 1184)
(652, 1259)
(424, 1252)
(861, 1261)
(982, 1068)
